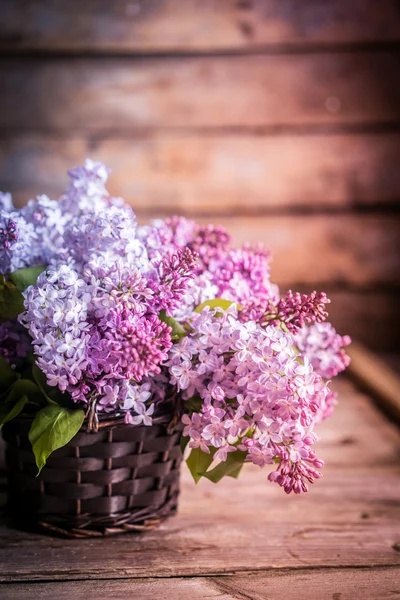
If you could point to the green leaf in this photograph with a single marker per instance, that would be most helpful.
(230, 467)
(178, 331)
(23, 387)
(216, 303)
(7, 374)
(184, 442)
(11, 300)
(20, 393)
(52, 428)
(23, 278)
(199, 461)
(7, 413)
(235, 474)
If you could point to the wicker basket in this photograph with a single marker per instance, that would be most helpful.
(121, 478)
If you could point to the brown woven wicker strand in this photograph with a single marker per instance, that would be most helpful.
(121, 478)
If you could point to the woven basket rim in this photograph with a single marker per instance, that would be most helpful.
(118, 421)
(106, 421)
(110, 421)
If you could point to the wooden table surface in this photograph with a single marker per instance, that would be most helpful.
(245, 539)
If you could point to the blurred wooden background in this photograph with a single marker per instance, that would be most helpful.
(279, 119)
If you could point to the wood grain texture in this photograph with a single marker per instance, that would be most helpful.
(350, 518)
(109, 93)
(215, 174)
(335, 584)
(140, 589)
(192, 25)
(338, 584)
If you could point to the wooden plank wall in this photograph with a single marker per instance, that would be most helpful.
(277, 118)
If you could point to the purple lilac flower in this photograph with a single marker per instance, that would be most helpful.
(6, 202)
(18, 243)
(87, 192)
(48, 221)
(324, 348)
(93, 320)
(94, 313)
(34, 235)
(93, 334)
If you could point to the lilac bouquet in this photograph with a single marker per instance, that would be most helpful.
(104, 318)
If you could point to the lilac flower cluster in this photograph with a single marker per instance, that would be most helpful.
(256, 395)
(94, 313)
(122, 319)
(293, 310)
(34, 234)
(89, 340)
(240, 275)
(95, 319)
(29, 236)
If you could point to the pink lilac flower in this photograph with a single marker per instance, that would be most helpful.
(240, 275)
(271, 420)
(293, 310)
(324, 348)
